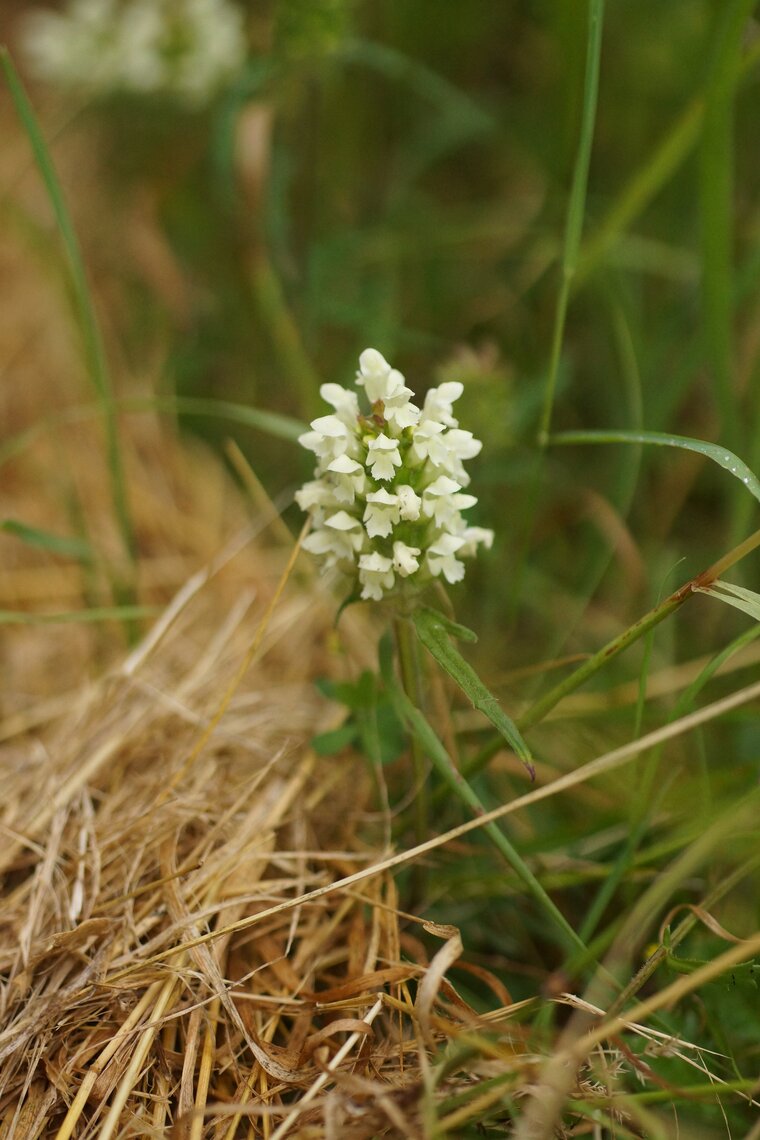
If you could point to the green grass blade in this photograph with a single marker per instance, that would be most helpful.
(720, 455)
(418, 725)
(748, 601)
(70, 617)
(93, 346)
(576, 206)
(434, 631)
(544, 705)
(64, 545)
(716, 169)
(271, 423)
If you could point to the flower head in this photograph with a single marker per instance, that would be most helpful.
(184, 48)
(387, 497)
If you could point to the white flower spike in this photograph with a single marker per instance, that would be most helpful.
(188, 49)
(386, 500)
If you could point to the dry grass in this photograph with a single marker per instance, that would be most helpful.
(158, 970)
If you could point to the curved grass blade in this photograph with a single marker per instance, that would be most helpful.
(435, 631)
(720, 455)
(748, 601)
(418, 725)
(272, 423)
(64, 545)
(91, 339)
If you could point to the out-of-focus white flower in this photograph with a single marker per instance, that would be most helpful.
(386, 500)
(184, 48)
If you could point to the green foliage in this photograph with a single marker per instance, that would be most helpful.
(555, 202)
(372, 724)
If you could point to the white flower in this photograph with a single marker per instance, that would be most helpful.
(473, 537)
(345, 402)
(381, 514)
(375, 575)
(340, 538)
(438, 403)
(348, 478)
(442, 501)
(409, 503)
(405, 559)
(441, 560)
(383, 456)
(329, 438)
(386, 501)
(185, 48)
(430, 443)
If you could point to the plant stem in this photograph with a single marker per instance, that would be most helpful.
(409, 667)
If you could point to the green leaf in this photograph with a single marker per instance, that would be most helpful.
(720, 455)
(738, 596)
(433, 630)
(328, 743)
(54, 543)
(421, 729)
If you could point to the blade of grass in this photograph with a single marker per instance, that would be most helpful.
(537, 711)
(573, 233)
(720, 455)
(642, 810)
(716, 187)
(64, 545)
(124, 587)
(576, 207)
(419, 726)
(102, 613)
(671, 153)
(748, 601)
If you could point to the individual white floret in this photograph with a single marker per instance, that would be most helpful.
(383, 456)
(473, 537)
(381, 513)
(409, 503)
(348, 478)
(375, 575)
(405, 559)
(429, 443)
(345, 402)
(438, 403)
(443, 501)
(441, 560)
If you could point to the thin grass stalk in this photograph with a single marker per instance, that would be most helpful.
(576, 208)
(649, 180)
(642, 811)
(124, 586)
(717, 192)
(544, 705)
(573, 233)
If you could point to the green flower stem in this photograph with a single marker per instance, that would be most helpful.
(537, 711)
(409, 666)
